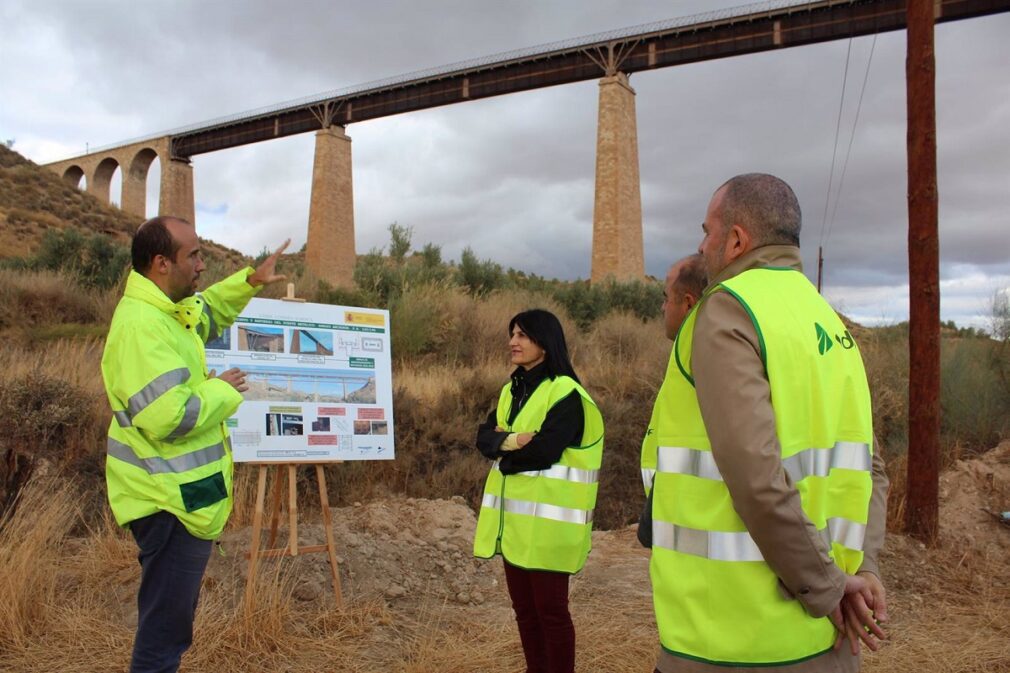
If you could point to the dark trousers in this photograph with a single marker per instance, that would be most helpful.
(540, 601)
(172, 563)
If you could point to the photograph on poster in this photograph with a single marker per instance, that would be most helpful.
(321, 424)
(380, 428)
(261, 339)
(362, 427)
(301, 384)
(283, 424)
(311, 342)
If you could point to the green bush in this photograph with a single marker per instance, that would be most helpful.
(479, 276)
(93, 260)
(974, 401)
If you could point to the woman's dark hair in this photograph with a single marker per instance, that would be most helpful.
(544, 329)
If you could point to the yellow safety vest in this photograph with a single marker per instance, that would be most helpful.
(168, 445)
(543, 520)
(716, 599)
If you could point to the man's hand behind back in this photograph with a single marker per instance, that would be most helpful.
(859, 614)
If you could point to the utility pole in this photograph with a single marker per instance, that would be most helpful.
(922, 508)
(820, 266)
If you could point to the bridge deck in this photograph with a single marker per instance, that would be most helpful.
(777, 26)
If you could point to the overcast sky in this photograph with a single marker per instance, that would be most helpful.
(513, 176)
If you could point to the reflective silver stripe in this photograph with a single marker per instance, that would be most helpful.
(188, 421)
(648, 476)
(158, 465)
(682, 460)
(845, 532)
(570, 474)
(156, 389)
(123, 419)
(723, 546)
(806, 463)
(819, 462)
(539, 509)
(715, 545)
(212, 332)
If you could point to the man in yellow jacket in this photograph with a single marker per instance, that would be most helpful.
(168, 465)
(768, 496)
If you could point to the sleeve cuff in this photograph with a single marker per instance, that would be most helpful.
(819, 602)
(869, 566)
(245, 274)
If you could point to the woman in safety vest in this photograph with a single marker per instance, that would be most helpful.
(546, 440)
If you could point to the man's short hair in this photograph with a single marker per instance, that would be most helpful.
(692, 277)
(153, 238)
(765, 206)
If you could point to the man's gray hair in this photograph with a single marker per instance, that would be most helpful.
(765, 206)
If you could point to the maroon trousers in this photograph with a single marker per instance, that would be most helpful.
(540, 601)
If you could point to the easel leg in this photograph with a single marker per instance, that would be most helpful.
(331, 549)
(275, 514)
(254, 548)
(293, 510)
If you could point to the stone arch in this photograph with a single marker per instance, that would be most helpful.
(72, 176)
(135, 182)
(98, 186)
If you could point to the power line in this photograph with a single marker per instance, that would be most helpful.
(848, 152)
(834, 151)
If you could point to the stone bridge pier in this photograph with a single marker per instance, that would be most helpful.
(618, 251)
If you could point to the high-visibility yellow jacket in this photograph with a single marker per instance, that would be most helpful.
(168, 446)
(543, 520)
(716, 598)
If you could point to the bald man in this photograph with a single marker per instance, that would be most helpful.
(767, 516)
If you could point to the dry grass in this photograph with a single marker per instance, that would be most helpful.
(44, 298)
(949, 607)
(67, 604)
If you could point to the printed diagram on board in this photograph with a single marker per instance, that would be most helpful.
(319, 382)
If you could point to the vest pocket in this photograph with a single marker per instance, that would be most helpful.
(203, 492)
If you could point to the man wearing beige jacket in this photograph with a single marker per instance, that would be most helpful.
(769, 499)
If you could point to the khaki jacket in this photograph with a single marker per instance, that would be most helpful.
(730, 377)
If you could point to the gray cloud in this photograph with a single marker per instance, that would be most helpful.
(512, 177)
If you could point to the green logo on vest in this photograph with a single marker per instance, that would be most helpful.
(824, 342)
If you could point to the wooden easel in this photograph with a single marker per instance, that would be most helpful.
(292, 549)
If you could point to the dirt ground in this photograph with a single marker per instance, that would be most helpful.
(416, 601)
(949, 605)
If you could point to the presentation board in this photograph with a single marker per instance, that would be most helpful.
(320, 382)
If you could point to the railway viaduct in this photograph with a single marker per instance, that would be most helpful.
(611, 57)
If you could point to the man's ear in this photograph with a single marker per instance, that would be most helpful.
(738, 242)
(160, 263)
(690, 300)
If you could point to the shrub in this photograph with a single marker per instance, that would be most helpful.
(39, 416)
(93, 260)
(479, 276)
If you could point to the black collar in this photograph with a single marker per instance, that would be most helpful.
(530, 377)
